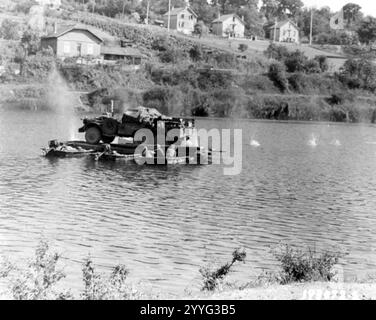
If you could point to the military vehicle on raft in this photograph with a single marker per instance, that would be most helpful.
(106, 128)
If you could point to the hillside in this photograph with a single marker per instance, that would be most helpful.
(188, 75)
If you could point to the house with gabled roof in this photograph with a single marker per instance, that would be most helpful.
(72, 41)
(229, 25)
(284, 31)
(181, 19)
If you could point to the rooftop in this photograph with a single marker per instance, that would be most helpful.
(63, 29)
(227, 16)
(176, 11)
(282, 23)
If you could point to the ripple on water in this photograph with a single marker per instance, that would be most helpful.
(165, 223)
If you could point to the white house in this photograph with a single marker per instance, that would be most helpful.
(52, 4)
(181, 19)
(229, 25)
(284, 31)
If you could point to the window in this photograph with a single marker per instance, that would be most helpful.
(182, 24)
(182, 15)
(66, 48)
(233, 19)
(90, 49)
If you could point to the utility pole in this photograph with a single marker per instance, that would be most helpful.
(275, 30)
(169, 15)
(311, 27)
(147, 12)
(123, 8)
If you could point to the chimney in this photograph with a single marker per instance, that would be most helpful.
(243, 18)
(55, 27)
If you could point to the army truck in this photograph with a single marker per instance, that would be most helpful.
(106, 128)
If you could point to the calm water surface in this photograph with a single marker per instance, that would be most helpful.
(164, 223)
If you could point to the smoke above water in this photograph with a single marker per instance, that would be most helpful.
(62, 102)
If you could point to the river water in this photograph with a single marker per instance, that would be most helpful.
(164, 223)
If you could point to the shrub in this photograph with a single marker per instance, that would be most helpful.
(37, 66)
(160, 43)
(225, 60)
(40, 278)
(277, 74)
(9, 30)
(312, 66)
(299, 266)
(30, 41)
(172, 55)
(323, 62)
(24, 6)
(296, 61)
(97, 288)
(243, 47)
(195, 53)
(276, 52)
(212, 278)
(208, 79)
(358, 74)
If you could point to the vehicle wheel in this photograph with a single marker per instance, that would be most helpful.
(108, 139)
(93, 135)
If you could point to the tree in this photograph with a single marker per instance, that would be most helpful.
(205, 12)
(9, 30)
(359, 74)
(198, 29)
(351, 12)
(320, 22)
(253, 20)
(281, 8)
(269, 8)
(367, 30)
(30, 41)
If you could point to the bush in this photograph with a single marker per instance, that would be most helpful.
(160, 43)
(195, 53)
(298, 266)
(323, 62)
(277, 74)
(296, 61)
(24, 6)
(276, 52)
(208, 80)
(212, 278)
(358, 74)
(312, 66)
(9, 30)
(97, 288)
(172, 55)
(243, 47)
(40, 278)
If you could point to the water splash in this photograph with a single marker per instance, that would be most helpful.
(62, 101)
(313, 141)
(254, 143)
(336, 143)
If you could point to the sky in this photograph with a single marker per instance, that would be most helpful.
(368, 6)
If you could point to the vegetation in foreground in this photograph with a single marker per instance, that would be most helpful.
(41, 277)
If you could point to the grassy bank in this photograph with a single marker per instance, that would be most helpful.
(302, 275)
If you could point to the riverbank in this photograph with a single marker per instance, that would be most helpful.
(299, 291)
(265, 106)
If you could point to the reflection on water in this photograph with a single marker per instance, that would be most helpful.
(166, 222)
